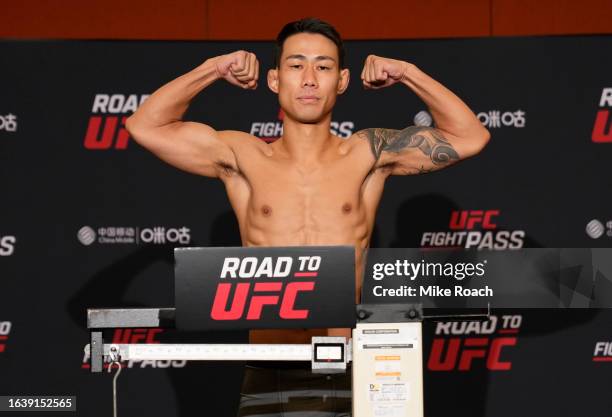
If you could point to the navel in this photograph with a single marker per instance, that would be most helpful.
(346, 208)
(266, 210)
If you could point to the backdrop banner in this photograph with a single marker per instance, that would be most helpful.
(88, 218)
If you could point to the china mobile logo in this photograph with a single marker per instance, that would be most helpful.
(596, 229)
(134, 235)
(490, 119)
(5, 330)
(474, 229)
(602, 130)
(460, 346)
(130, 336)
(106, 128)
(280, 295)
(603, 352)
(270, 131)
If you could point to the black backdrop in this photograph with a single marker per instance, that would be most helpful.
(91, 221)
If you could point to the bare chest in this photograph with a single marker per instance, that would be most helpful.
(300, 205)
(321, 194)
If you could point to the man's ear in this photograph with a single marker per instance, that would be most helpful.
(344, 80)
(273, 80)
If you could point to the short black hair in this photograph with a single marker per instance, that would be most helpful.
(308, 25)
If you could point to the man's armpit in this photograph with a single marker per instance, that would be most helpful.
(225, 168)
(429, 141)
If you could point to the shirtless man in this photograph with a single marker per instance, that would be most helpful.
(309, 187)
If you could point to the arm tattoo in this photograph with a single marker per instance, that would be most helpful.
(434, 145)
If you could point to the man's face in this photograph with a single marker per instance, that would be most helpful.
(308, 77)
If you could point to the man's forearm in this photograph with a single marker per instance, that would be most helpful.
(450, 113)
(170, 102)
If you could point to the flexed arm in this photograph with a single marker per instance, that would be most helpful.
(195, 147)
(416, 149)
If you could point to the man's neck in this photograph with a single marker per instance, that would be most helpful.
(306, 142)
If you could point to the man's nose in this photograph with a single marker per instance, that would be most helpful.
(309, 77)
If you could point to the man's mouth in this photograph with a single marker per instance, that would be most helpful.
(308, 99)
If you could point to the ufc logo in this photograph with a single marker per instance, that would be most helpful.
(461, 356)
(257, 301)
(468, 219)
(602, 130)
(107, 137)
(126, 336)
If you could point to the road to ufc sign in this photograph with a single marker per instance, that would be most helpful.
(233, 288)
(269, 267)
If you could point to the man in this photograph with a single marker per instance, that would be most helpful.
(309, 187)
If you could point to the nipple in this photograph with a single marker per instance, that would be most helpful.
(266, 210)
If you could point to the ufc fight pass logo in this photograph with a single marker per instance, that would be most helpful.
(106, 127)
(7, 245)
(134, 336)
(474, 229)
(249, 285)
(602, 130)
(461, 346)
(269, 131)
(603, 351)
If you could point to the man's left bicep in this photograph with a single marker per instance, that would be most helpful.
(415, 149)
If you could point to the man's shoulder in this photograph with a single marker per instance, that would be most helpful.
(237, 136)
(358, 145)
(241, 140)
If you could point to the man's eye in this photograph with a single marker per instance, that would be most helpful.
(298, 66)
(323, 67)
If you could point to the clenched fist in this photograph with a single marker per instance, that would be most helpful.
(240, 68)
(379, 72)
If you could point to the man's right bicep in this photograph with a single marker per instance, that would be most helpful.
(190, 146)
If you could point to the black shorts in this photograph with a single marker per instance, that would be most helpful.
(292, 390)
